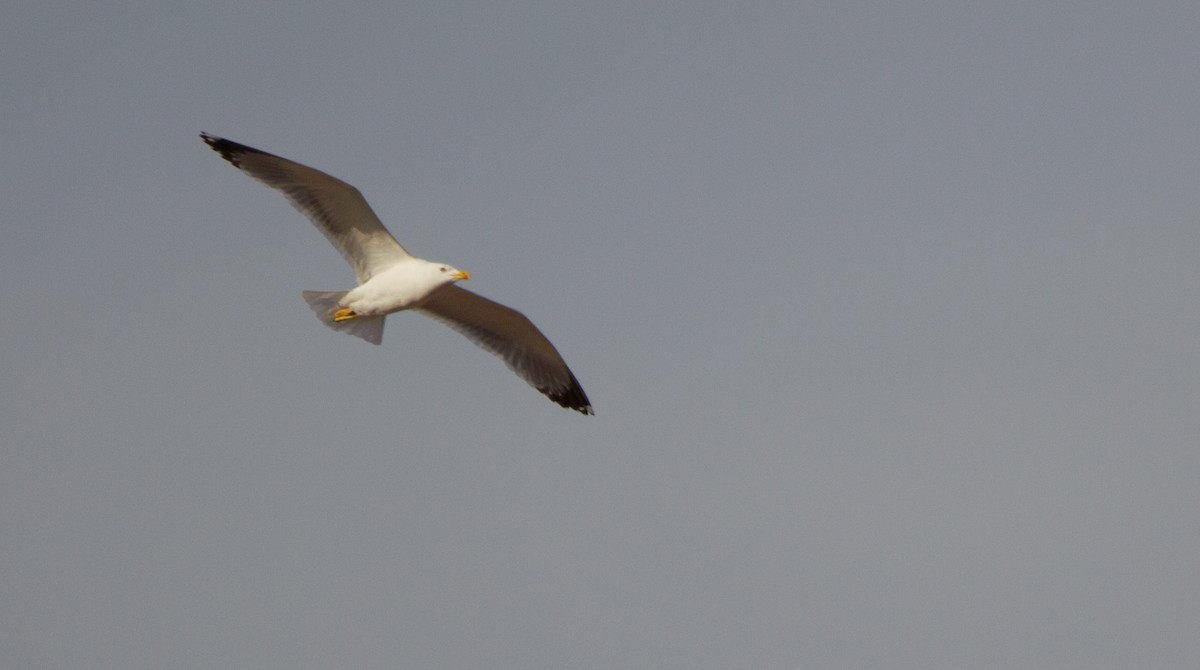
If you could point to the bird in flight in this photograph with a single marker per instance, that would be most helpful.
(391, 280)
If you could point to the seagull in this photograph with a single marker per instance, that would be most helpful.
(392, 280)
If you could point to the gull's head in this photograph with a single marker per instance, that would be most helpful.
(450, 274)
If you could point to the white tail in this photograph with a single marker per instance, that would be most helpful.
(325, 303)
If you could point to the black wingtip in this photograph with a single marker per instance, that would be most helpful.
(571, 397)
(228, 149)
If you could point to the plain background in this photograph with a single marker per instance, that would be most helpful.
(888, 311)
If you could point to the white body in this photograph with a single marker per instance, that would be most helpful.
(405, 285)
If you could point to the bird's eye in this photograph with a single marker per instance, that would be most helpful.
(443, 268)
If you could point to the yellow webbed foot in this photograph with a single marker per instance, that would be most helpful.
(344, 315)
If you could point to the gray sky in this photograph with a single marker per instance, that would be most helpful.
(888, 312)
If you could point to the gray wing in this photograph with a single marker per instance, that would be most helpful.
(336, 208)
(508, 334)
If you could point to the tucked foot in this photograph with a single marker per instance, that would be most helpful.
(344, 314)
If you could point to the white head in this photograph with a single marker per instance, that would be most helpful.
(449, 274)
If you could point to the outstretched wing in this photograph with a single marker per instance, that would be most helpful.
(508, 334)
(336, 208)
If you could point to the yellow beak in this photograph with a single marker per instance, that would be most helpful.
(461, 275)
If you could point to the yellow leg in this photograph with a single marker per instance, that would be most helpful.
(344, 315)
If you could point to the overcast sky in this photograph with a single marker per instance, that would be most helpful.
(889, 311)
